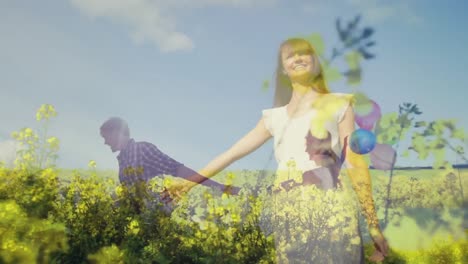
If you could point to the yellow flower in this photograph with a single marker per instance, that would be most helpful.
(291, 163)
(119, 190)
(356, 240)
(235, 217)
(49, 172)
(51, 110)
(28, 132)
(167, 182)
(92, 164)
(45, 111)
(42, 109)
(27, 156)
(133, 227)
(53, 143)
(81, 208)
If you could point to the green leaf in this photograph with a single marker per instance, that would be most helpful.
(423, 153)
(420, 124)
(363, 104)
(438, 127)
(370, 44)
(354, 77)
(265, 85)
(459, 150)
(439, 157)
(353, 58)
(388, 119)
(459, 134)
(404, 121)
(317, 42)
(419, 146)
(367, 32)
(332, 74)
(199, 211)
(405, 153)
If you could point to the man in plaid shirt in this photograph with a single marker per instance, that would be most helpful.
(139, 162)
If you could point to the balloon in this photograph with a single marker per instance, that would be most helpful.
(383, 157)
(362, 141)
(367, 121)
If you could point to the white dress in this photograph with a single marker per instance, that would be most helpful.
(313, 223)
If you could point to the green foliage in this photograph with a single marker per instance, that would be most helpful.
(435, 137)
(109, 254)
(86, 207)
(332, 74)
(26, 239)
(393, 127)
(393, 257)
(89, 218)
(317, 42)
(38, 149)
(441, 252)
(265, 85)
(354, 73)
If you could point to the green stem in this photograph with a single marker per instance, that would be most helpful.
(459, 178)
(43, 145)
(454, 150)
(389, 186)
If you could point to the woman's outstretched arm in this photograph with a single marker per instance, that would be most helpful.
(247, 144)
(358, 171)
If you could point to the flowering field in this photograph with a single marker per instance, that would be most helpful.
(89, 219)
(49, 215)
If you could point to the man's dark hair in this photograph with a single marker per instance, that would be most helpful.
(115, 124)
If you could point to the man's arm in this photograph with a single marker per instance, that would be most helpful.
(193, 176)
(161, 164)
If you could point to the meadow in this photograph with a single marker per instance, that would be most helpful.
(427, 220)
(53, 215)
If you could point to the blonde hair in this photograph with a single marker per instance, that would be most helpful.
(283, 87)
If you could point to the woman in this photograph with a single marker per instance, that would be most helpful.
(310, 125)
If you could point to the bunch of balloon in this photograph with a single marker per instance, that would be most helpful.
(363, 140)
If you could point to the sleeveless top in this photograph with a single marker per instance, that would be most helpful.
(310, 141)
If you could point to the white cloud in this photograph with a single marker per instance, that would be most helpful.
(226, 3)
(144, 18)
(154, 20)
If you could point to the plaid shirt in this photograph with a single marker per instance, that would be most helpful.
(143, 161)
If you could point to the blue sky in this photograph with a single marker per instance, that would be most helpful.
(187, 74)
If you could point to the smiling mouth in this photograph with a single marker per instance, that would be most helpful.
(300, 67)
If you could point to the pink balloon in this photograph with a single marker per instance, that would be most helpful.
(383, 157)
(368, 121)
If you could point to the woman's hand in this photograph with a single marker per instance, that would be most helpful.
(376, 256)
(177, 189)
(229, 189)
(380, 243)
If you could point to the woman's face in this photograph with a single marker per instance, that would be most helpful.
(297, 63)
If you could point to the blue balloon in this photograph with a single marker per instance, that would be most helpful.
(362, 141)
